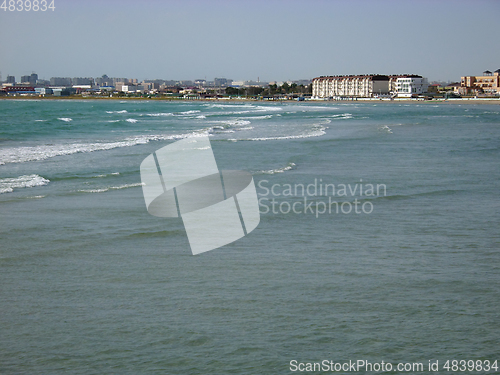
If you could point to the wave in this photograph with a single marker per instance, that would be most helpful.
(317, 131)
(342, 116)
(106, 175)
(191, 112)
(288, 167)
(231, 123)
(65, 119)
(132, 120)
(245, 108)
(264, 117)
(160, 114)
(385, 129)
(103, 190)
(268, 108)
(35, 153)
(122, 111)
(230, 106)
(178, 114)
(7, 185)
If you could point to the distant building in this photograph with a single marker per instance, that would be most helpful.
(33, 78)
(15, 90)
(104, 81)
(42, 82)
(222, 82)
(488, 83)
(107, 88)
(61, 91)
(79, 81)
(361, 86)
(410, 86)
(304, 82)
(132, 88)
(60, 81)
(368, 86)
(43, 91)
(11, 79)
(200, 82)
(150, 86)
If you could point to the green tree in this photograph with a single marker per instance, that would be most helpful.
(232, 91)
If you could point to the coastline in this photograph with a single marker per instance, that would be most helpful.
(492, 101)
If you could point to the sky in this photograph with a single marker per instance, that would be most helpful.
(271, 40)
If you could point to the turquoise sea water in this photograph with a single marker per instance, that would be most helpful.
(93, 284)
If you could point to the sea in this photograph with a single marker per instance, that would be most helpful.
(378, 241)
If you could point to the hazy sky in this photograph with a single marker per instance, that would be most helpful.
(242, 40)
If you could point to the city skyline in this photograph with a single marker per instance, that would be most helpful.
(271, 41)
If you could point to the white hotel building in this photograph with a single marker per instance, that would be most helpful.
(410, 86)
(368, 86)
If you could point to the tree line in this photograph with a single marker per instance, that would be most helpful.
(271, 90)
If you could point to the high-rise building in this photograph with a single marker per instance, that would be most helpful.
(33, 79)
(78, 81)
(60, 81)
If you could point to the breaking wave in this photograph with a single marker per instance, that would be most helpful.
(7, 185)
(103, 190)
(288, 167)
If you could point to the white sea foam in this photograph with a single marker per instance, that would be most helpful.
(385, 129)
(343, 116)
(132, 120)
(231, 123)
(288, 167)
(160, 114)
(103, 190)
(192, 112)
(42, 152)
(40, 120)
(65, 119)
(7, 185)
(106, 175)
(268, 108)
(122, 111)
(230, 106)
(316, 131)
(264, 117)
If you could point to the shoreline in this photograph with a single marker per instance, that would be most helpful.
(243, 100)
